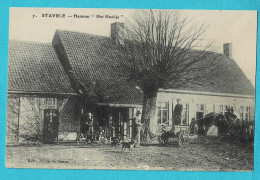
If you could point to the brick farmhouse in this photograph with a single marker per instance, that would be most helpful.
(55, 85)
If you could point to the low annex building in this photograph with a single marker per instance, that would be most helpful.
(52, 87)
(39, 92)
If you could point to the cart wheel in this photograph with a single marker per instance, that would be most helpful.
(185, 140)
(180, 140)
(161, 142)
(79, 138)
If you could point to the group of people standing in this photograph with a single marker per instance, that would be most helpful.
(88, 125)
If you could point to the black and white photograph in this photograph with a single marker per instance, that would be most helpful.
(131, 89)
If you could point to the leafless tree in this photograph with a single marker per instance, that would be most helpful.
(163, 49)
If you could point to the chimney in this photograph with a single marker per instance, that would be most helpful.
(117, 30)
(227, 49)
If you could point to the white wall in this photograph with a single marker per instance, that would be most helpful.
(207, 99)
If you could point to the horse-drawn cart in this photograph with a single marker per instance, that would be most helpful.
(86, 138)
(179, 136)
(225, 125)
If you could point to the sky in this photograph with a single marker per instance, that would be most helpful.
(236, 27)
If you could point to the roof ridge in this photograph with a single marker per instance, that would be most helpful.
(79, 32)
(28, 42)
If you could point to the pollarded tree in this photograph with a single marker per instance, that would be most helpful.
(163, 49)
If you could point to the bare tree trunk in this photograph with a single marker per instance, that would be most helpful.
(149, 108)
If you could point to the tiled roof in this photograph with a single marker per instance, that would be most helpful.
(225, 76)
(35, 67)
(88, 56)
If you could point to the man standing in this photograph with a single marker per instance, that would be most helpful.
(138, 124)
(177, 114)
(89, 123)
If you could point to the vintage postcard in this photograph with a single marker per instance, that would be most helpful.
(134, 89)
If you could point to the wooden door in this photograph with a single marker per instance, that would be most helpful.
(50, 125)
(199, 117)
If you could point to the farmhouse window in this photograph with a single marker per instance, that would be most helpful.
(247, 113)
(184, 114)
(244, 113)
(200, 110)
(162, 112)
(222, 109)
(200, 107)
(241, 111)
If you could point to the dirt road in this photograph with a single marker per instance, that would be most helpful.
(210, 157)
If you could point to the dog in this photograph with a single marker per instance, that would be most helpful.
(128, 145)
(115, 142)
(81, 139)
(163, 139)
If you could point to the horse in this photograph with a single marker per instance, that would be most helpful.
(222, 121)
(209, 120)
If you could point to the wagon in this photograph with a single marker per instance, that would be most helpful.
(87, 138)
(179, 137)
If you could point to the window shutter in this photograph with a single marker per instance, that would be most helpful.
(168, 113)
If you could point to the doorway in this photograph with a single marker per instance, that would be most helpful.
(50, 125)
(199, 116)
